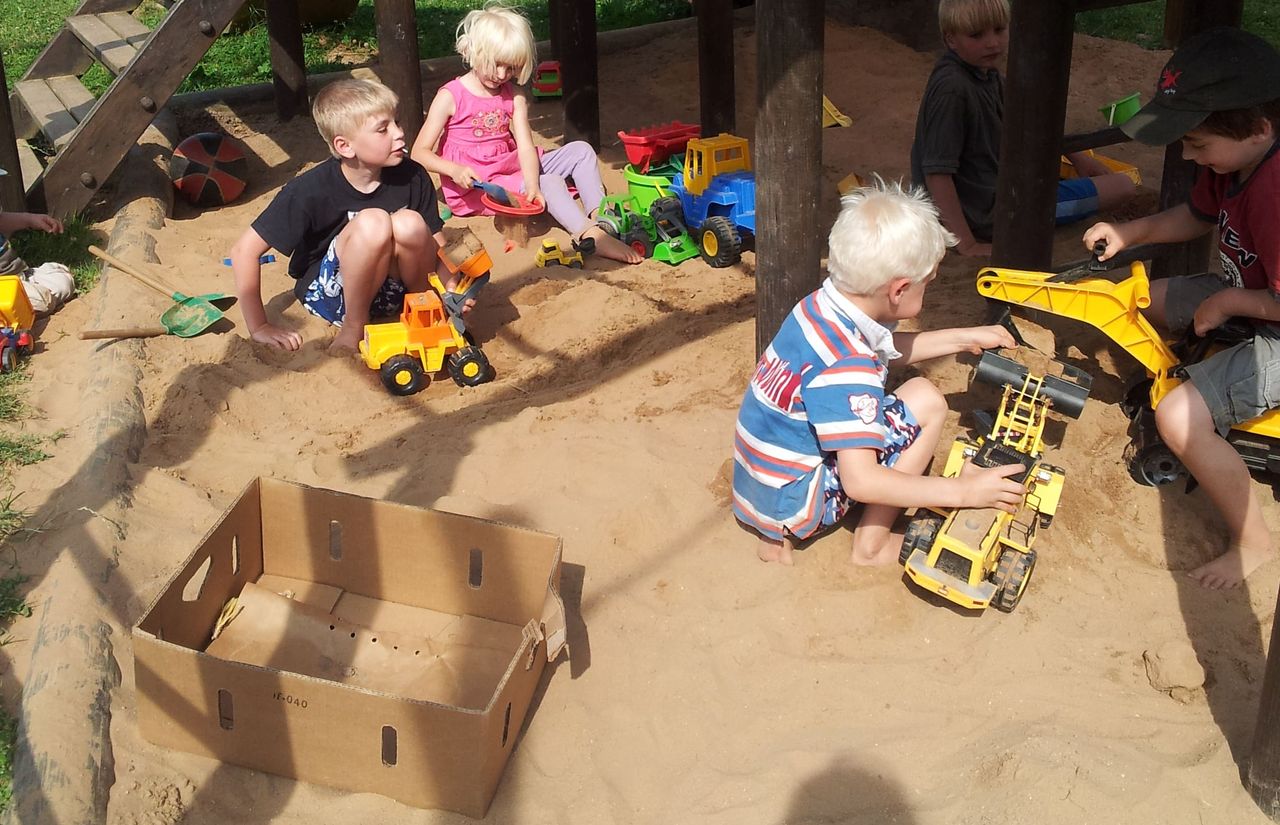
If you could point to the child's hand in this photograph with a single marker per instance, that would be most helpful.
(1210, 315)
(44, 223)
(533, 194)
(991, 487)
(276, 337)
(1109, 234)
(465, 176)
(988, 337)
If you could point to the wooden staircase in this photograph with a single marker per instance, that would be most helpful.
(91, 136)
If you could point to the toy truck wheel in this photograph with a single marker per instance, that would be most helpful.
(668, 209)
(1013, 573)
(469, 367)
(1154, 465)
(403, 375)
(640, 241)
(721, 243)
(8, 359)
(921, 531)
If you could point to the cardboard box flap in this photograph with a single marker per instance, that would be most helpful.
(462, 665)
(552, 627)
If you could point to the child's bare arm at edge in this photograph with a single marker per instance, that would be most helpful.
(11, 222)
(868, 481)
(248, 273)
(1169, 226)
(935, 343)
(530, 165)
(424, 148)
(942, 190)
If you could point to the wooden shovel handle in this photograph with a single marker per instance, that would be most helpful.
(130, 270)
(132, 332)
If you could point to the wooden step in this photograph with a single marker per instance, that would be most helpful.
(55, 104)
(112, 36)
(32, 168)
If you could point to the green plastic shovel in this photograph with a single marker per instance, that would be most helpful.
(187, 317)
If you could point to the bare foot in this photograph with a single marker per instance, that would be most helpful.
(773, 550)
(610, 247)
(346, 343)
(1231, 568)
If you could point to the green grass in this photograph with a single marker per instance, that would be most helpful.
(1143, 23)
(244, 57)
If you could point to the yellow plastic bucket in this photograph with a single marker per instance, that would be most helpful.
(15, 308)
(1118, 111)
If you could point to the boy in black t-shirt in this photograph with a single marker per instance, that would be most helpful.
(361, 229)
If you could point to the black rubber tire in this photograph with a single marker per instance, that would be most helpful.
(639, 240)
(1013, 576)
(1154, 465)
(8, 358)
(719, 242)
(921, 531)
(403, 375)
(470, 367)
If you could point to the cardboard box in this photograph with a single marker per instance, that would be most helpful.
(373, 646)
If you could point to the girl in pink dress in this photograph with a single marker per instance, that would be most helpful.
(477, 129)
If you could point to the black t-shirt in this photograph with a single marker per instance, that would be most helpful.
(958, 134)
(309, 212)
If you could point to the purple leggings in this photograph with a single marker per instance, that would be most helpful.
(575, 160)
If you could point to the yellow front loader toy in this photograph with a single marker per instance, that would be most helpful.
(981, 557)
(1113, 302)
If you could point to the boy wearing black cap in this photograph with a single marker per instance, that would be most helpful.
(1220, 95)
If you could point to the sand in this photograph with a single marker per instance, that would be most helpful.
(704, 686)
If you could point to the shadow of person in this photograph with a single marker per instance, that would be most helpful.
(846, 793)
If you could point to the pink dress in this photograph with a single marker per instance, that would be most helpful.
(479, 135)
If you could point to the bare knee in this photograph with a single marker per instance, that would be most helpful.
(371, 228)
(924, 400)
(1114, 189)
(1177, 419)
(409, 228)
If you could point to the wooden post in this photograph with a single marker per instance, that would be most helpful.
(398, 60)
(579, 70)
(715, 66)
(1184, 18)
(1035, 108)
(1262, 778)
(288, 71)
(788, 158)
(555, 10)
(12, 193)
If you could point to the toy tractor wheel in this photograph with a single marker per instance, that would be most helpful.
(640, 241)
(610, 225)
(721, 243)
(921, 531)
(667, 209)
(1154, 465)
(8, 359)
(1013, 573)
(403, 375)
(469, 367)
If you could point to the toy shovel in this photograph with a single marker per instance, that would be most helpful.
(187, 317)
(495, 192)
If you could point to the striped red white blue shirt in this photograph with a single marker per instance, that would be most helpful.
(818, 389)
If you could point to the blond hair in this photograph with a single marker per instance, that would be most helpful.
(885, 232)
(968, 16)
(497, 34)
(343, 106)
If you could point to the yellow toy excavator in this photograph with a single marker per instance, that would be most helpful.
(1112, 301)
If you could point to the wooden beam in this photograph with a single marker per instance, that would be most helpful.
(579, 70)
(288, 71)
(1080, 141)
(1035, 108)
(1183, 18)
(1091, 5)
(12, 196)
(788, 158)
(716, 92)
(398, 60)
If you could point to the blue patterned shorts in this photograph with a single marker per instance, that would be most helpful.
(902, 432)
(323, 296)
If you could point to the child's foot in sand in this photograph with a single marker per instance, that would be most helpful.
(346, 343)
(1231, 568)
(773, 550)
(610, 247)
